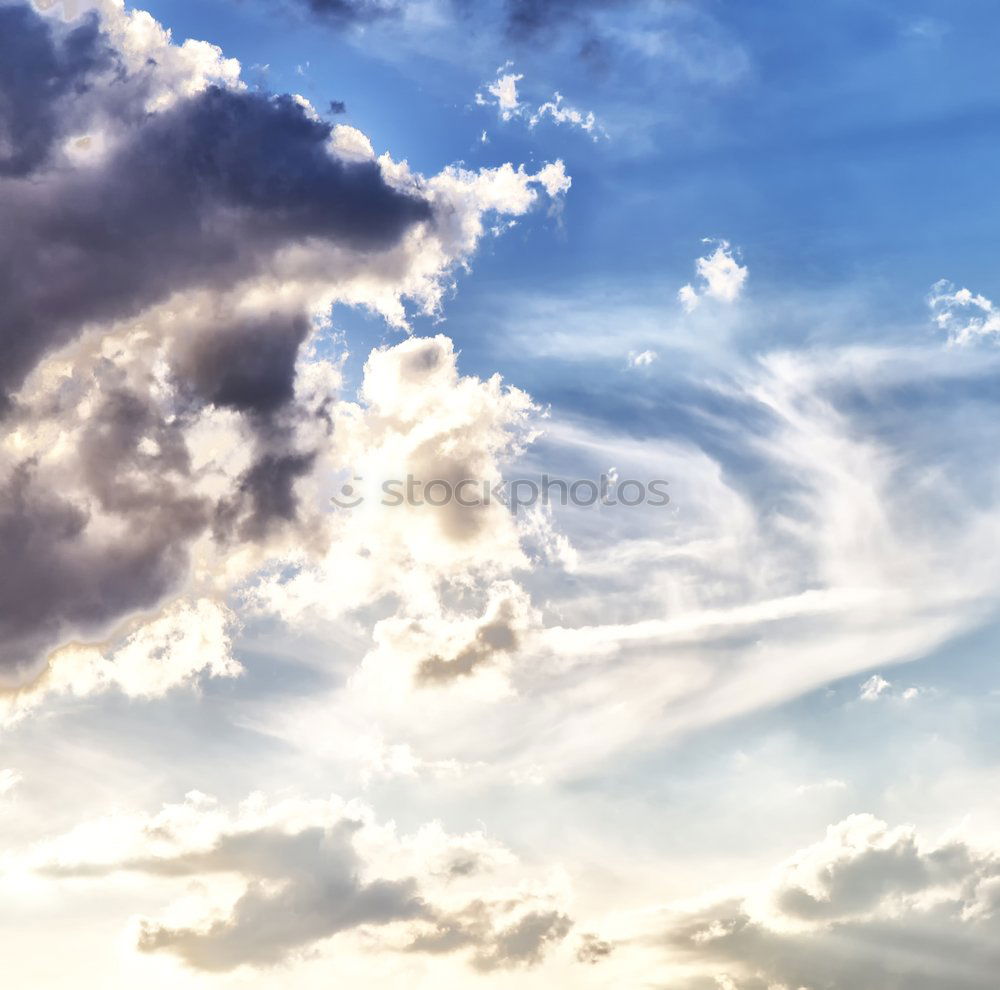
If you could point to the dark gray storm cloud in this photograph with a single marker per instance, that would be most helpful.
(37, 72)
(248, 365)
(265, 496)
(200, 194)
(55, 578)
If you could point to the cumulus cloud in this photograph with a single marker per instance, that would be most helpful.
(304, 871)
(180, 241)
(868, 906)
(966, 317)
(503, 91)
(420, 421)
(721, 277)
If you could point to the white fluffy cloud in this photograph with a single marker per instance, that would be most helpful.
(503, 90)
(721, 277)
(966, 317)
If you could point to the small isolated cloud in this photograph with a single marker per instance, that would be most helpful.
(561, 113)
(503, 91)
(720, 277)
(874, 688)
(592, 949)
(877, 687)
(503, 94)
(965, 317)
(641, 359)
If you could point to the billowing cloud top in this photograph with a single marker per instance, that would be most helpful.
(178, 239)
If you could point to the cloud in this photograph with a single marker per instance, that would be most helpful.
(868, 906)
(641, 359)
(180, 241)
(722, 278)
(322, 895)
(560, 113)
(304, 871)
(185, 641)
(199, 195)
(593, 950)
(967, 318)
(874, 688)
(39, 74)
(503, 94)
(497, 634)
(877, 688)
(522, 943)
(418, 418)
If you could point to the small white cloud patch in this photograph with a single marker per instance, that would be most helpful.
(720, 276)
(966, 317)
(874, 688)
(642, 359)
(503, 91)
(503, 94)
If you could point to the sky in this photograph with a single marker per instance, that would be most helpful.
(499, 494)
